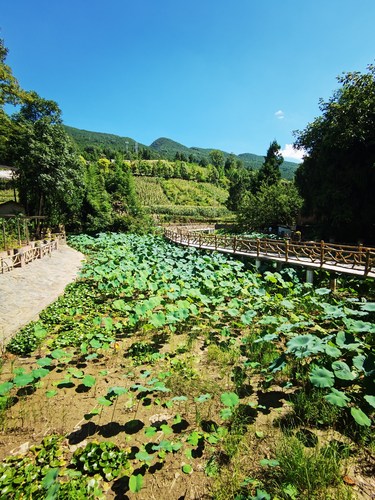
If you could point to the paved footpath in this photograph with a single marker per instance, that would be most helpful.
(26, 291)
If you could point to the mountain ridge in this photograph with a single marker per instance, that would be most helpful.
(166, 148)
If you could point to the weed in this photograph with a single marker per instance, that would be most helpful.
(222, 356)
(311, 472)
(311, 408)
(258, 352)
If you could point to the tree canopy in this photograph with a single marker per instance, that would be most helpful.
(272, 205)
(337, 177)
(269, 172)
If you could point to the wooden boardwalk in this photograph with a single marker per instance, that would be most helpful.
(343, 259)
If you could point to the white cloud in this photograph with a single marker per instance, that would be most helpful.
(279, 114)
(290, 153)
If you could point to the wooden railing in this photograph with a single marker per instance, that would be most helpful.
(347, 259)
(29, 253)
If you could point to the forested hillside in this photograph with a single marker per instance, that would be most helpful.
(164, 148)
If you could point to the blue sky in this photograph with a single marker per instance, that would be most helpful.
(232, 75)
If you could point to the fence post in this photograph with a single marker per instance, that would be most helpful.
(200, 240)
(188, 239)
(215, 242)
(234, 244)
(367, 263)
(286, 250)
(321, 253)
(258, 247)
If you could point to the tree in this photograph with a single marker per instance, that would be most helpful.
(10, 93)
(269, 172)
(337, 176)
(49, 171)
(35, 108)
(217, 158)
(271, 205)
(49, 176)
(119, 183)
(96, 213)
(241, 181)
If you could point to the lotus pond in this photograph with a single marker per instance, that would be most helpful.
(166, 372)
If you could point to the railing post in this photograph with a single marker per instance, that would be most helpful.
(234, 244)
(200, 240)
(321, 253)
(188, 239)
(215, 242)
(258, 247)
(367, 263)
(286, 250)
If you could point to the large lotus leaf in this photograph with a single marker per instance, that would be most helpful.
(370, 400)
(342, 371)
(358, 361)
(287, 304)
(368, 307)
(332, 351)
(303, 346)
(358, 326)
(347, 341)
(332, 311)
(321, 377)
(269, 320)
(360, 417)
(337, 398)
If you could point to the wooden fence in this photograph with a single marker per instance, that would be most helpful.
(355, 260)
(29, 253)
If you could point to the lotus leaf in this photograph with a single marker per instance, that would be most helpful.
(337, 398)
(321, 377)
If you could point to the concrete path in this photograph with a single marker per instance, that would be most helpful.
(24, 292)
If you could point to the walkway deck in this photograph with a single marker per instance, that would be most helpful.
(26, 291)
(343, 259)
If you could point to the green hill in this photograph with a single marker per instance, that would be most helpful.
(168, 149)
(88, 139)
(164, 148)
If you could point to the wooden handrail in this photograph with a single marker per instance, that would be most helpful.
(354, 258)
(26, 255)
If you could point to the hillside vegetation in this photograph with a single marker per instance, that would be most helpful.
(156, 191)
(164, 148)
(179, 199)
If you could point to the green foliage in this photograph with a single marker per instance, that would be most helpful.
(43, 475)
(27, 339)
(103, 458)
(49, 176)
(337, 178)
(271, 205)
(138, 295)
(269, 173)
(310, 472)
